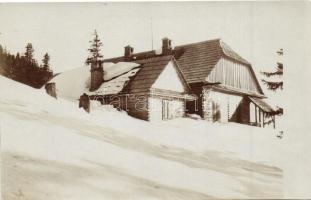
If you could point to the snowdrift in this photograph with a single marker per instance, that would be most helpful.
(53, 150)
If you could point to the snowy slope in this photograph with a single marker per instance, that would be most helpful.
(53, 150)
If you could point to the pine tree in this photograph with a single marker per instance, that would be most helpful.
(45, 61)
(95, 55)
(1, 50)
(275, 85)
(29, 52)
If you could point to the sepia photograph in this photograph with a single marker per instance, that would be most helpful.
(155, 100)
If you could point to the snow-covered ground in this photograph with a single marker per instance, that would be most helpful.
(53, 150)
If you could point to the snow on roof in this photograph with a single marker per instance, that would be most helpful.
(115, 85)
(71, 84)
(158, 51)
(113, 70)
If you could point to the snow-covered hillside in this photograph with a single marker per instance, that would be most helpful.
(53, 150)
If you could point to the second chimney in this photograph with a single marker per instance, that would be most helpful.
(128, 51)
(166, 46)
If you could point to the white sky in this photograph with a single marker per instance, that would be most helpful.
(254, 30)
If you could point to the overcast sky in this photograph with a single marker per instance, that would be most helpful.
(255, 30)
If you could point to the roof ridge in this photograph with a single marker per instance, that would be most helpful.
(154, 58)
(154, 50)
(201, 42)
(225, 46)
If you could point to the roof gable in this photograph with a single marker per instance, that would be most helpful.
(197, 60)
(233, 74)
(169, 75)
(150, 71)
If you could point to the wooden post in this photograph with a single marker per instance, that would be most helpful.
(259, 116)
(256, 115)
(263, 119)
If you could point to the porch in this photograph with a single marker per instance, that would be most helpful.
(261, 113)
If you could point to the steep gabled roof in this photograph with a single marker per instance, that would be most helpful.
(195, 60)
(151, 69)
(140, 79)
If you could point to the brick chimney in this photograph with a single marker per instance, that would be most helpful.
(97, 75)
(166, 46)
(128, 52)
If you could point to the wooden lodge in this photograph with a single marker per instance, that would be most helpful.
(207, 78)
